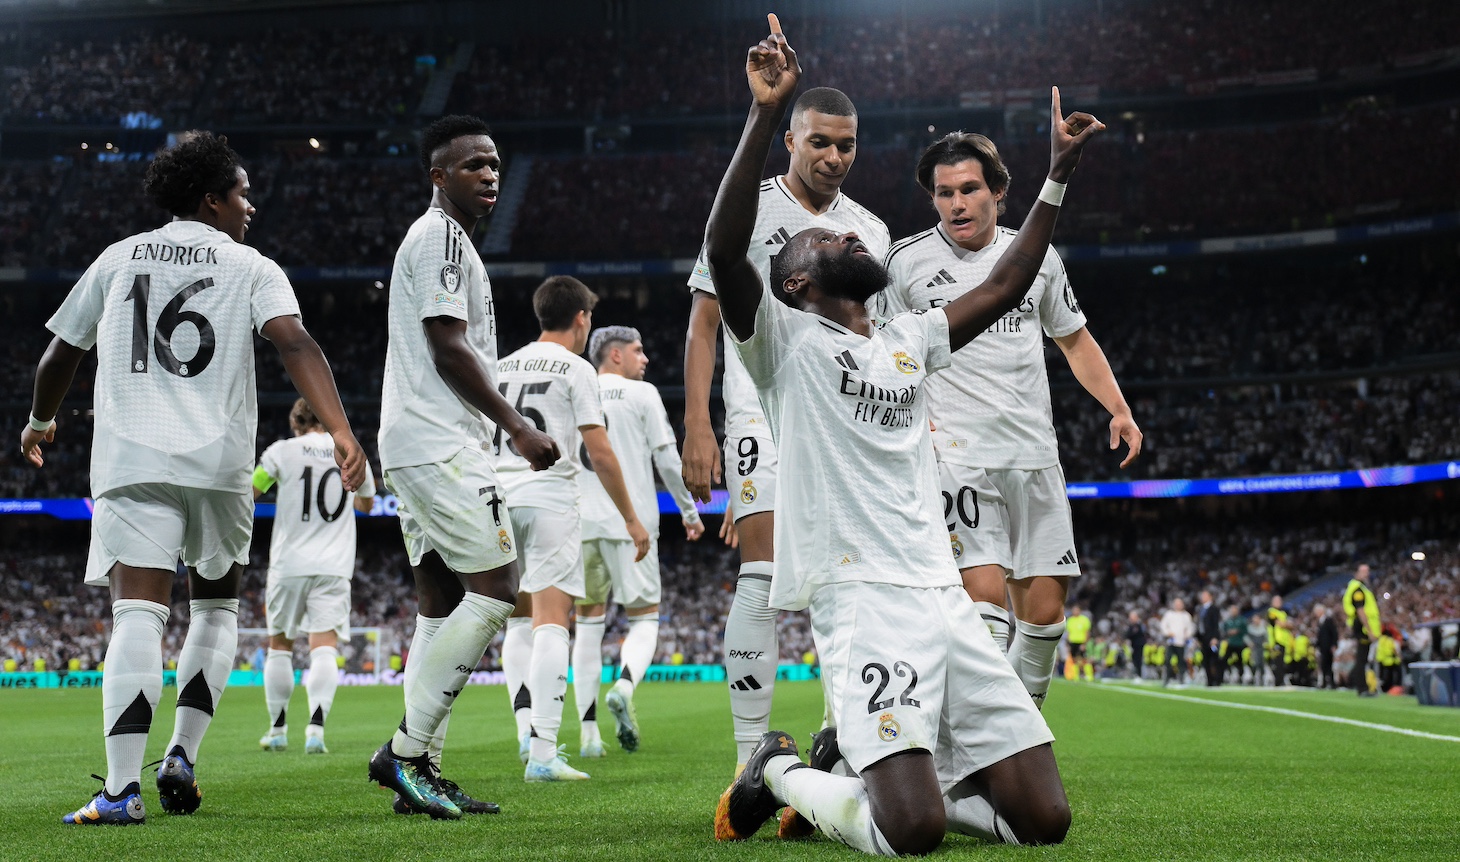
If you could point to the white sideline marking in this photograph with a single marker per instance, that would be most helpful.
(1387, 728)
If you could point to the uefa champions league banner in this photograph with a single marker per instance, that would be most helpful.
(656, 673)
(79, 509)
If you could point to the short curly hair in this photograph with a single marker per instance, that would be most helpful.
(199, 163)
(447, 129)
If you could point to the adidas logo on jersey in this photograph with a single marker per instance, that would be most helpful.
(1068, 559)
(942, 278)
(747, 683)
(780, 237)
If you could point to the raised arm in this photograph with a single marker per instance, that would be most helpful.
(461, 368)
(773, 73)
(311, 374)
(1011, 277)
(701, 468)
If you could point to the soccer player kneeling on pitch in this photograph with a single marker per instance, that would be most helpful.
(172, 313)
(311, 560)
(548, 381)
(638, 428)
(937, 727)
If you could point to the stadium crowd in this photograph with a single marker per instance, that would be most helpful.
(1136, 559)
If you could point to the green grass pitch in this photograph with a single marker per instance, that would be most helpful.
(1148, 778)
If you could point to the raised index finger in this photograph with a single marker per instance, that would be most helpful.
(775, 24)
(1054, 105)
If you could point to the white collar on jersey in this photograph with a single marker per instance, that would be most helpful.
(780, 182)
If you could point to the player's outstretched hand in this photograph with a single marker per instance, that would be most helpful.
(1067, 137)
(772, 69)
(538, 448)
(1123, 427)
(693, 530)
(351, 459)
(31, 440)
(700, 467)
(640, 538)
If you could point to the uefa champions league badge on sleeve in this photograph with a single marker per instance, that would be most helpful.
(451, 278)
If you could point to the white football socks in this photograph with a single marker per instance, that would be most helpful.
(516, 662)
(639, 645)
(203, 666)
(278, 687)
(970, 813)
(426, 628)
(442, 670)
(547, 679)
(997, 619)
(131, 687)
(588, 676)
(838, 805)
(751, 656)
(1032, 655)
(324, 679)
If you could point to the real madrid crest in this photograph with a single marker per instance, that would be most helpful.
(888, 730)
(747, 492)
(504, 542)
(957, 546)
(906, 364)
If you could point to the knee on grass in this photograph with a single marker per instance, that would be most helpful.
(1044, 823)
(912, 830)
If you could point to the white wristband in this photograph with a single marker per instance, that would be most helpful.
(1053, 193)
(38, 425)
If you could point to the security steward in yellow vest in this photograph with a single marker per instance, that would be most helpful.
(1362, 609)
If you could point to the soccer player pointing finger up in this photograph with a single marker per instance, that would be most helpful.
(901, 644)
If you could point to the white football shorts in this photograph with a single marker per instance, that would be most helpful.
(609, 563)
(1018, 519)
(750, 469)
(316, 603)
(909, 667)
(152, 526)
(456, 509)
(552, 549)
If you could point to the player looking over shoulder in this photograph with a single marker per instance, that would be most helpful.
(550, 383)
(638, 428)
(311, 561)
(440, 361)
(1003, 491)
(172, 314)
(937, 728)
(822, 142)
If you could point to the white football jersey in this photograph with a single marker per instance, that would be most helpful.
(437, 274)
(858, 497)
(778, 218)
(557, 391)
(637, 424)
(991, 409)
(172, 314)
(314, 518)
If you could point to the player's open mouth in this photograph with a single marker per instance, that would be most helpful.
(960, 222)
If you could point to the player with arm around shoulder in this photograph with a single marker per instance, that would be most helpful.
(440, 361)
(902, 649)
(172, 313)
(311, 562)
(552, 384)
(1003, 491)
(642, 439)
